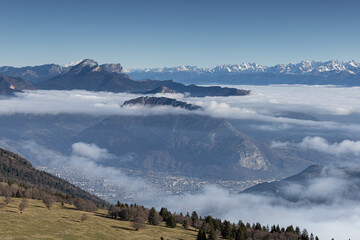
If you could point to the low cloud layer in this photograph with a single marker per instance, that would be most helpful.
(346, 147)
(261, 106)
(340, 220)
(85, 162)
(338, 216)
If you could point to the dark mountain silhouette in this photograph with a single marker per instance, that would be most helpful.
(161, 101)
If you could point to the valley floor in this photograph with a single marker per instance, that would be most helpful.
(64, 222)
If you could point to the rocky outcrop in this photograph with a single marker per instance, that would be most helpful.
(161, 101)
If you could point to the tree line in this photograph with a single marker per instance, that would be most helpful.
(208, 228)
(9, 190)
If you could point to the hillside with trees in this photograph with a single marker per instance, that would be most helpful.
(19, 178)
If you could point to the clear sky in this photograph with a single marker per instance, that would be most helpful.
(155, 33)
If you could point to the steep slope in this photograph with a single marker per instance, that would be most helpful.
(188, 144)
(17, 169)
(10, 85)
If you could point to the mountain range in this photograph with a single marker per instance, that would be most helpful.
(88, 75)
(305, 72)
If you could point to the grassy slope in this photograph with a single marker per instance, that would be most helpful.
(63, 222)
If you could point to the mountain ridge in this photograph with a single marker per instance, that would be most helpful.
(302, 67)
(326, 72)
(88, 75)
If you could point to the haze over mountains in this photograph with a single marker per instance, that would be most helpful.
(306, 72)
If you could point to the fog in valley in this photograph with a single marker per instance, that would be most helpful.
(316, 124)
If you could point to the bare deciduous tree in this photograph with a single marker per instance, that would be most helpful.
(138, 223)
(84, 216)
(48, 201)
(23, 204)
(8, 200)
(2, 205)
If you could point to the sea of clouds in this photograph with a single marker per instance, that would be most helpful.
(338, 218)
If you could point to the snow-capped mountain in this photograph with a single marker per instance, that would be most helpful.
(304, 67)
(304, 72)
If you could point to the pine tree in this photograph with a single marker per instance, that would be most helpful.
(240, 234)
(226, 230)
(170, 221)
(194, 218)
(304, 235)
(212, 234)
(201, 234)
(290, 229)
(151, 217)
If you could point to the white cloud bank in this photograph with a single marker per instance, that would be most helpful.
(260, 106)
(340, 220)
(338, 217)
(346, 147)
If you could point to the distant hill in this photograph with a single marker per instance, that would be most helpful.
(161, 101)
(17, 169)
(10, 85)
(349, 177)
(88, 75)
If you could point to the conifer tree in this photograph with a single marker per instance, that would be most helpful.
(240, 235)
(201, 234)
(212, 234)
(170, 221)
(194, 218)
(226, 230)
(151, 217)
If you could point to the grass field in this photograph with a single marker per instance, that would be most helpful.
(64, 222)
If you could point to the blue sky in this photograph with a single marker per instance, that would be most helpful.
(145, 33)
